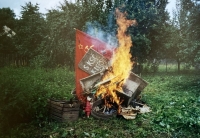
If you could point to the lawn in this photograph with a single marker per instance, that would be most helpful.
(174, 100)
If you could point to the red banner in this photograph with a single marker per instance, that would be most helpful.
(83, 43)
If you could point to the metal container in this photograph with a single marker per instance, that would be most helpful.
(89, 82)
(132, 88)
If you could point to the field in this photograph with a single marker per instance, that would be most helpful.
(174, 100)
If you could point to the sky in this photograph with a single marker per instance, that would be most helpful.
(15, 5)
(171, 6)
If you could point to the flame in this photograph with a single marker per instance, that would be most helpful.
(121, 63)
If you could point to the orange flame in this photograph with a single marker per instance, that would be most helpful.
(121, 63)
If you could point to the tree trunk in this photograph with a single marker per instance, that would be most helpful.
(178, 61)
(166, 64)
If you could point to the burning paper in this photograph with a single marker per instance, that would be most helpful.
(129, 112)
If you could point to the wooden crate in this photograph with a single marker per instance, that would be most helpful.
(63, 111)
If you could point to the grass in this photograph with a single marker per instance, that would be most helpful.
(174, 100)
(24, 93)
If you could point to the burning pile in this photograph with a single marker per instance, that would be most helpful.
(114, 89)
(121, 64)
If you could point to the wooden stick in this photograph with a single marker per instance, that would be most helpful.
(104, 109)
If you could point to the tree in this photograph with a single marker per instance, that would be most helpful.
(61, 23)
(151, 18)
(7, 27)
(7, 17)
(181, 43)
(146, 37)
(61, 34)
(158, 33)
(31, 31)
(194, 29)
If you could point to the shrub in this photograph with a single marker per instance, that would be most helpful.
(24, 92)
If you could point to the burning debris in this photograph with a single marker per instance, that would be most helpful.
(103, 103)
(112, 89)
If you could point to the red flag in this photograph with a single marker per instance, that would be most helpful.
(83, 43)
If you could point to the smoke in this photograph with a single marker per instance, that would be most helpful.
(102, 33)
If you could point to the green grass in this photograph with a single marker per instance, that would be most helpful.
(172, 67)
(174, 100)
(24, 93)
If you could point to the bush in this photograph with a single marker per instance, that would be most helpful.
(24, 93)
(39, 61)
(151, 66)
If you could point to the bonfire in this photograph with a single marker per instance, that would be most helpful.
(114, 88)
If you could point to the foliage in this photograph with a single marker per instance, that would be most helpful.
(24, 93)
(51, 38)
(148, 36)
(31, 31)
(174, 101)
(151, 66)
(178, 103)
(194, 34)
(60, 41)
(61, 23)
(183, 37)
(7, 18)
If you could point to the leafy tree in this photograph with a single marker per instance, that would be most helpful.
(31, 31)
(194, 29)
(157, 32)
(53, 37)
(146, 36)
(181, 46)
(7, 27)
(61, 34)
(151, 17)
(61, 23)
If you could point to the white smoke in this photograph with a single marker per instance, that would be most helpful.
(98, 31)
